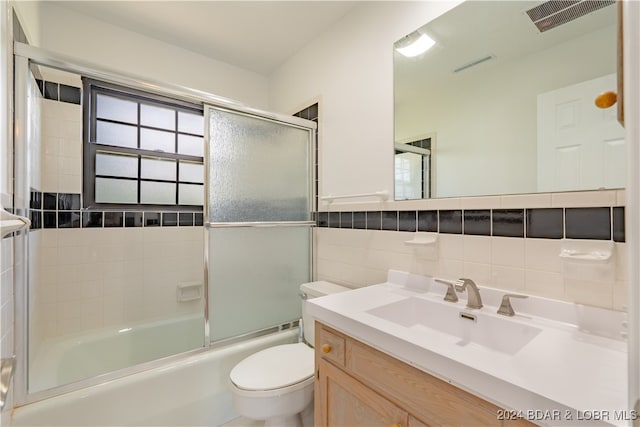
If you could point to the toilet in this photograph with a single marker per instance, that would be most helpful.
(276, 384)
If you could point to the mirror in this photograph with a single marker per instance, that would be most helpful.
(498, 106)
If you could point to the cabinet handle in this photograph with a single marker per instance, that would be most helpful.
(326, 348)
(397, 425)
(606, 99)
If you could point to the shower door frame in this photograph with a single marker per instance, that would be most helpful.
(23, 56)
(209, 225)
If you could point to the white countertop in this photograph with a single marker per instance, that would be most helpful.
(564, 376)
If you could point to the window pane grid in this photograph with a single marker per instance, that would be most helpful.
(153, 135)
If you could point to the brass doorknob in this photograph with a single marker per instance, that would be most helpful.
(326, 348)
(606, 99)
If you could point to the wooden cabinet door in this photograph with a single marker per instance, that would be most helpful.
(414, 422)
(344, 401)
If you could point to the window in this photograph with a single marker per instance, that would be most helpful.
(141, 149)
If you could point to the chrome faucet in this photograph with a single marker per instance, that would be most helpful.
(473, 293)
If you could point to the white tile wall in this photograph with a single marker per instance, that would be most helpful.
(61, 147)
(531, 266)
(93, 278)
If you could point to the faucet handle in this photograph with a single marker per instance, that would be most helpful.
(451, 295)
(505, 307)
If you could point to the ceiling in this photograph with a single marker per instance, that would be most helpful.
(255, 35)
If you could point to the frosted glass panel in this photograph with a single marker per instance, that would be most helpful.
(191, 145)
(259, 169)
(161, 193)
(190, 123)
(157, 117)
(116, 165)
(254, 277)
(115, 134)
(108, 107)
(116, 190)
(158, 169)
(157, 140)
(190, 194)
(191, 172)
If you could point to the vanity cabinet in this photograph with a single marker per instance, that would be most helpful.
(357, 385)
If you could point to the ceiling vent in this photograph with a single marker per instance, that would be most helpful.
(554, 13)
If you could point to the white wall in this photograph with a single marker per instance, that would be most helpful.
(349, 69)
(66, 32)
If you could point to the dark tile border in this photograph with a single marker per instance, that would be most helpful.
(507, 222)
(547, 223)
(618, 224)
(428, 221)
(346, 219)
(60, 92)
(63, 210)
(450, 221)
(587, 223)
(596, 223)
(477, 222)
(407, 221)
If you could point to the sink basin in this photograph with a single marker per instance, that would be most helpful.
(466, 327)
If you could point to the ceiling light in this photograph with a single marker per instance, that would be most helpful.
(414, 44)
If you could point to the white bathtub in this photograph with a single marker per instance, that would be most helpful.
(189, 392)
(63, 360)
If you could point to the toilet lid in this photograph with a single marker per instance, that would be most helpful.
(274, 367)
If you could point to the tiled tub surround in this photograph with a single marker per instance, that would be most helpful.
(61, 145)
(95, 269)
(508, 242)
(92, 278)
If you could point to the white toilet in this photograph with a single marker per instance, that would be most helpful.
(276, 384)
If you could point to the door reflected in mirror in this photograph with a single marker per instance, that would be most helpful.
(509, 90)
(413, 168)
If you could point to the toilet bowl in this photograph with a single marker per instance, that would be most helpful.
(276, 384)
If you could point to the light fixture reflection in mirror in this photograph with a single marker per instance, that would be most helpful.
(518, 115)
(414, 44)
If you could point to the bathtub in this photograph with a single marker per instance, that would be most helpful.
(62, 360)
(191, 391)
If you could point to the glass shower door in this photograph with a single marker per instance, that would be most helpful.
(259, 221)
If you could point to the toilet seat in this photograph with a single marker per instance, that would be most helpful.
(274, 368)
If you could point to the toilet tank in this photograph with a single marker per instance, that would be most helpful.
(313, 290)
